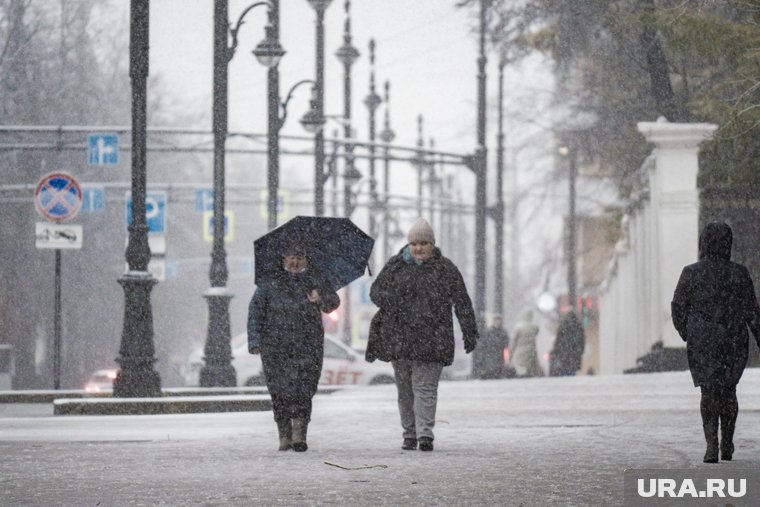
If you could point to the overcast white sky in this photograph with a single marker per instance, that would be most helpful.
(424, 47)
(427, 50)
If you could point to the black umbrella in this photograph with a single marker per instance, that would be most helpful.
(336, 248)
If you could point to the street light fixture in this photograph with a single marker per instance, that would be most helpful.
(269, 52)
(313, 120)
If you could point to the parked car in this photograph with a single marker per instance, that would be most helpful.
(101, 380)
(342, 365)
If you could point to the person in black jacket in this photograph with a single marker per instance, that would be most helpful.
(285, 327)
(713, 304)
(567, 353)
(414, 330)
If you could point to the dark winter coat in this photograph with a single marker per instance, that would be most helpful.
(415, 317)
(488, 358)
(568, 346)
(288, 330)
(713, 304)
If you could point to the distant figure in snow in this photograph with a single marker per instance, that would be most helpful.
(565, 357)
(713, 304)
(488, 358)
(523, 356)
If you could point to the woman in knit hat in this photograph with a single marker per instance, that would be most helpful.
(414, 330)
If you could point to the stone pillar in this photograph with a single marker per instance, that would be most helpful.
(675, 208)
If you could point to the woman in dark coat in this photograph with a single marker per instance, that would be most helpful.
(713, 304)
(285, 326)
(565, 357)
(414, 328)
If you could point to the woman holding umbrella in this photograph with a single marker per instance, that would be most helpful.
(285, 327)
(414, 330)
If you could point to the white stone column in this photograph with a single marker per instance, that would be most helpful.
(675, 205)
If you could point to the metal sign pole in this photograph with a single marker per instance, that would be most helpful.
(57, 322)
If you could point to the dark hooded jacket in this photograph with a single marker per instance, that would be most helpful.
(288, 330)
(568, 346)
(415, 317)
(713, 304)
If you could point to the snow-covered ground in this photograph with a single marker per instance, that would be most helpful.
(548, 441)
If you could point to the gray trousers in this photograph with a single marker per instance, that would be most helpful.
(417, 385)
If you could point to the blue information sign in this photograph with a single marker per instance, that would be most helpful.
(155, 211)
(94, 199)
(103, 149)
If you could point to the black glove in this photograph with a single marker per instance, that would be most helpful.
(469, 345)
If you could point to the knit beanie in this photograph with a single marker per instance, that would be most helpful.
(421, 232)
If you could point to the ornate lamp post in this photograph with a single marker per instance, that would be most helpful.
(570, 250)
(319, 102)
(218, 370)
(137, 378)
(419, 162)
(497, 211)
(479, 166)
(372, 101)
(387, 135)
(268, 53)
(348, 54)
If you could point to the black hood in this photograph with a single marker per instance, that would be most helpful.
(715, 241)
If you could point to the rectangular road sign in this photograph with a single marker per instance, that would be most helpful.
(208, 226)
(93, 198)
(58, 236)
(155, 211)
(103, 149)
(204, 200)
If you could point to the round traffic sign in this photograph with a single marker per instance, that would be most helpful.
(58, 197)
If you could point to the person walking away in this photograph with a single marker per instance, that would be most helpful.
(285, 327)
(488, 358)
(523, 356)
(413, 328)
(565, 357)
(713, 304)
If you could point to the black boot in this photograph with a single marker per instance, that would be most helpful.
(426, 444)
(299, 434)
(728, 413)
(409, 444)
(285, 431)
(709, 411)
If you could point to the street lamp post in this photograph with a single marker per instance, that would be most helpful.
(218, 370)
(570, 247)
(137, 377)
(348, 54)
(386, 136)
(420, 163)
(273, 114)
(498, 210)
(319, 103)
(372, 101)
(479, 166)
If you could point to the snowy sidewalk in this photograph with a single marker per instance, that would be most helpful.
(548, 441)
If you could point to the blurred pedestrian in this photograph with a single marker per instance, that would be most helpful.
(414, 330)
(285, 327)
(712, 306)
(488, 358)
(523, 356)
(565, 357)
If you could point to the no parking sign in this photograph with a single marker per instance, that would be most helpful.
(58, 197)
